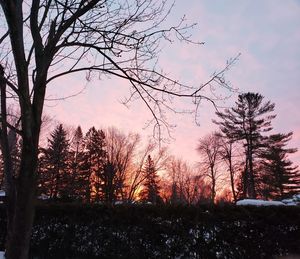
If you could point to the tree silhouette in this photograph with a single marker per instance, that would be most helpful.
(247, 122)
(77, 164)
(228, 153)
(96, 37)
(54, 170)
(150, 192)
(120, 154)
(95, 156)
(280, 178)
(209, 147)
(186, 186)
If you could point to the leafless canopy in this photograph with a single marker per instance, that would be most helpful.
(99, 37)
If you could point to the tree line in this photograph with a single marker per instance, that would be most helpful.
(109, 166)
(256, 161)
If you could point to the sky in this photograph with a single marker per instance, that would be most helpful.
(266, 33)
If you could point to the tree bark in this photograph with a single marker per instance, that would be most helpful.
(252, 193)
(8, 166)
(22, 216)
(18, 241)
(213, 186)
(21, 191)
(232, 179)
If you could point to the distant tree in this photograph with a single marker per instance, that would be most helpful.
(279, 178)
(96, 158)
(209, 148)
(121, 150)
(247, 122)
(185, 185)
(76, 144)
(135, 176)
(229, 154)
(177, 171)
(151, 188)
(54, 174)
(77, 164)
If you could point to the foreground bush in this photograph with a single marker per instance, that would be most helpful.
(71, 231)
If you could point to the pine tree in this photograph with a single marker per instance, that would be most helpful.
(280, 178)
(247, 122)
(150, 192)
(54, 165)
(109, 183)
(77, 164)
(96, 156)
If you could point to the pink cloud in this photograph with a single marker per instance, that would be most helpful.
(226, 35)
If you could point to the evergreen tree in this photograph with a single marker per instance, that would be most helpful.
(247, 122)
(109, 182)
(77, 164)
(150, 192)
(280, 178)
(96, 156)
(54, 165)
(77, 141)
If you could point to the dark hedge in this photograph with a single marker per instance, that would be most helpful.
(82, 231)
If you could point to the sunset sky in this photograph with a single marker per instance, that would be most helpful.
(266, 33)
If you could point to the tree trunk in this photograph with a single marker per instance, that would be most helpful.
(232, 179)
(245, 179)
(18, 239)
(213, 187)
(252, 193)
(17, 246)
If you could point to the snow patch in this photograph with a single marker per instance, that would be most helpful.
(296, 197)
(2, 193)
(254, 202)
(2, 255)
(44, 197)
(289, 202)
(294, 201)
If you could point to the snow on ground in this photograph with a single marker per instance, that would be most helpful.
(294, 201)
(254, 202)
(289, 202)
(296, 197)
(2, 255)
(2, 195)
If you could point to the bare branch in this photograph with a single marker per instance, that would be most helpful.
(4, 37)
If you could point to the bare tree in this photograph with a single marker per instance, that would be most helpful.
(229, 154)
(98, 37)
(186, 187)
(120, 153)
(135, 177)
(209, 148)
